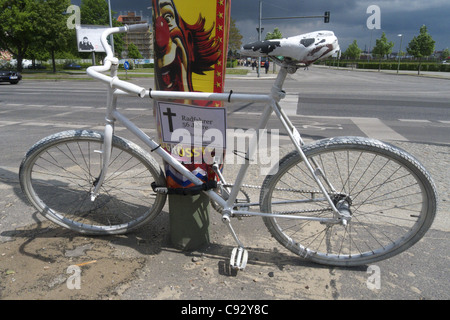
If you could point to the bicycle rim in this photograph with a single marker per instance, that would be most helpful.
(390, 197)
(59, 173)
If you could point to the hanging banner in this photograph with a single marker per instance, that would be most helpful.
(89, 38)
(190, 43)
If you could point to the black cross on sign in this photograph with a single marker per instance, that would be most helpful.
(169, 115)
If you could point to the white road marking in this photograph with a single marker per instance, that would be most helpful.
(376, 129)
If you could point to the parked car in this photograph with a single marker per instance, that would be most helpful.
(12, 77)
(37, 66)
(72, 66)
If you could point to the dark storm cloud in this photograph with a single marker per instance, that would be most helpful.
(348, 18)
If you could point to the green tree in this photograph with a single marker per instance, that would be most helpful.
(133, 52)
(95, 12)
(51, 28)
(353, 51)
(37, 52)
(17, 27)
(445, 54)
(235, 38)
(382, 48)
(276, 34)
(421, 46)
(34, 28)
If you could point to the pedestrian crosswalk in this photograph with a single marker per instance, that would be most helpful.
(310, 124)
(290, 104)
(375, 128)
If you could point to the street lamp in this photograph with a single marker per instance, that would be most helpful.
(399, 51)
(260, 30)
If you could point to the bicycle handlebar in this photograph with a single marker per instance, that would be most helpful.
(114, 82)
(96, 71)
(138, 27)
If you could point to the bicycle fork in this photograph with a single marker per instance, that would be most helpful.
(105, 156)
(105, 153)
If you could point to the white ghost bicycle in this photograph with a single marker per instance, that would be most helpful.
(342, 201)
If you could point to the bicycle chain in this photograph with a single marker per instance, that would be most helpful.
(218, 209)
(278, 189)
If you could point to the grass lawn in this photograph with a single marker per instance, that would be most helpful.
(81, 75)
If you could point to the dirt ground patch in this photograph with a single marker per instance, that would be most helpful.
(40, 263)
(46, 262)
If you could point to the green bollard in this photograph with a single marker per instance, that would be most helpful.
(189, 221)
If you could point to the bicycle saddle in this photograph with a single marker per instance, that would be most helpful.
(306, 48)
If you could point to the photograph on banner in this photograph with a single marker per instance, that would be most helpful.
(89, 38)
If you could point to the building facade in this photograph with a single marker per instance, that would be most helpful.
(142, 40)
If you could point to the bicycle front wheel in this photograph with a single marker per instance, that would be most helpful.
(389, 198)
(59, 173)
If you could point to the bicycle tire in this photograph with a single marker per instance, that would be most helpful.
(59, 172)
(391, 198)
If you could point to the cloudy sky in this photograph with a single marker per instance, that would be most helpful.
(348, 18)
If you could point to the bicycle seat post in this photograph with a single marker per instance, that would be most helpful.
(277, 88)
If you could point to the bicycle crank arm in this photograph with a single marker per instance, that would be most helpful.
(239, 257)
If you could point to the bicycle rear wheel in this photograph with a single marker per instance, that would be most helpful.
(389, 195)
(59, 172)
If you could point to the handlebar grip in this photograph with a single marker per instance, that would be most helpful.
(138, 27)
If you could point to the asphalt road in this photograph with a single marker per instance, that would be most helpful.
(411, 112)
(321, 102)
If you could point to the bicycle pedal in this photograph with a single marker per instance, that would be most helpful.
(238, 260)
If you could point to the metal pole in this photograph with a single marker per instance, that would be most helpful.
(259, 36)
(111, 37)
(399, 50)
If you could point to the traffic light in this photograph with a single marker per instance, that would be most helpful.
(326, 17)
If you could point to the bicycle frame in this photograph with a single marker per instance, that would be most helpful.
(118, 88)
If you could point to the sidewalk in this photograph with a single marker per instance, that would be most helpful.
(430, 74)
(253, 74)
